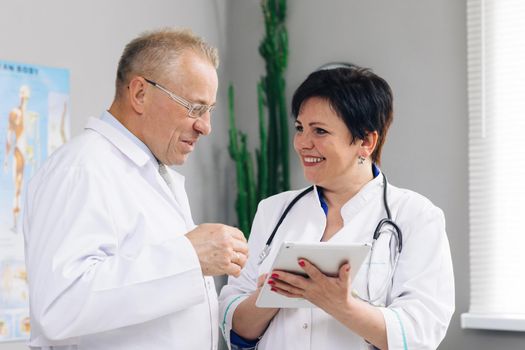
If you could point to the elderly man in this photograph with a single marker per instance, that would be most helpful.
(114, 259)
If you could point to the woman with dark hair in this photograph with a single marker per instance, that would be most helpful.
(403, 298)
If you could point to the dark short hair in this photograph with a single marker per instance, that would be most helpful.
(363, 100)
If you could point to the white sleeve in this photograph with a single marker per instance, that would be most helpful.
(423, 285)
(239, 288)
(77, 271)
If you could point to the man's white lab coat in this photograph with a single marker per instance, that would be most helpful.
(108, 264)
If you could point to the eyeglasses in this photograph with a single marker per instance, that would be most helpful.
(195, 110)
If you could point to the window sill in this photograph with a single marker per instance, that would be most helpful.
(498, 322)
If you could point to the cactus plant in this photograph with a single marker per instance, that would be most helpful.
(272, 157)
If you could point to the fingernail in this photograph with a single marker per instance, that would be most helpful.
(301, 263)
(274, 275)
(271, 282)
(273, 289)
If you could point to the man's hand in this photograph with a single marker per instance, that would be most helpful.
(221, 249)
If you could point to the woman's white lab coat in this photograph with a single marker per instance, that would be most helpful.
(419, 302)
(108, 264)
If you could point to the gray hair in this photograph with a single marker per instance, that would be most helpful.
(153, 52)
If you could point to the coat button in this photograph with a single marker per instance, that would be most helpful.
(305, 325)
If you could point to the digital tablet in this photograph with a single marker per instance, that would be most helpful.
(328, 257)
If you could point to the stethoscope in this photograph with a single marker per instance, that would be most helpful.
(380, 228)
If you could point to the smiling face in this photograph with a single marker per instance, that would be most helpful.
(168, 131)
(324, 145)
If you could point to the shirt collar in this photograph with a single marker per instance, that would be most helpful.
(324, 205)
(110, 119)
(116, 133)
(375, 170)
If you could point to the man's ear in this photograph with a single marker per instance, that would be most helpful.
(369, 143)
(137, 94)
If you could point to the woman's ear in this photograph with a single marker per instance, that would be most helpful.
(137, 94)
(369, 143)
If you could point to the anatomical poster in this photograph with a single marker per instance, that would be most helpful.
(34, 122)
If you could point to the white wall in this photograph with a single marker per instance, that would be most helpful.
(419, 47)
(87, 37)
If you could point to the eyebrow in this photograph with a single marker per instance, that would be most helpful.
(312, 123)
(202, 102)
(199, 101)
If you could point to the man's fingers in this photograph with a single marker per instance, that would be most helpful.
(240, 247)
(233, 270)
(238, 242)
(221, 249)
(239, 258)
(236, 233)
(239, 253)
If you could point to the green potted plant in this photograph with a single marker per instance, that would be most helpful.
(272, 172)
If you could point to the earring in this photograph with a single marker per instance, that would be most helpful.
(360, 160)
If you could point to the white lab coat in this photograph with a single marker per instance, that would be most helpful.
(108, 264)
(420, 301)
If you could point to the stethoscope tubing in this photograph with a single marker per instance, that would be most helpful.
(377, 232)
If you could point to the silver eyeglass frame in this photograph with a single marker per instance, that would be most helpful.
(195, 110)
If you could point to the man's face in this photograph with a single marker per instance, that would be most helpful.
(168, 131)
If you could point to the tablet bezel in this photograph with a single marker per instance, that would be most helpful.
(328, 257)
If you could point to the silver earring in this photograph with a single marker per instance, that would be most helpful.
(360, 160)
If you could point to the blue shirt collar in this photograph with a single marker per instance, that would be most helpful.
(115, 123)
(375, 171)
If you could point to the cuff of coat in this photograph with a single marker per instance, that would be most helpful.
(184, 244)
(395, 330)
(226, 319)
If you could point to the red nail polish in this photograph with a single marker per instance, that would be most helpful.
(273, 289)
(301, 263)
(270, 282)
(274, 275)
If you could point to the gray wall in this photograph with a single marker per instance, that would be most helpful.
(419, 47)
(87, 37)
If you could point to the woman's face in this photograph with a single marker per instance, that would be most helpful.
(324, 145)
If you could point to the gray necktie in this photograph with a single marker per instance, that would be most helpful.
(179, 202)
(164, 173)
